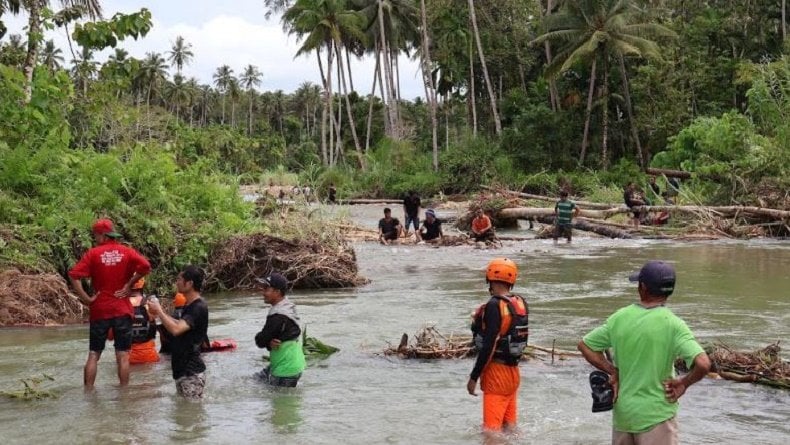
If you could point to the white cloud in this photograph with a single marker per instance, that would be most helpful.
(236, 36)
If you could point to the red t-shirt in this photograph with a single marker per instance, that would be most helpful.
(110, 266)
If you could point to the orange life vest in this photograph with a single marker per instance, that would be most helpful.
(513, 331)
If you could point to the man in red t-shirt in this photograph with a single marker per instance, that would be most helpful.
(112, 268)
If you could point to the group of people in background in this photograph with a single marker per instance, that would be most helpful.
(634, 196)
(119, 311)
(390, 228)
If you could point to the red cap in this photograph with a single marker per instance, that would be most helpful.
(105, 227)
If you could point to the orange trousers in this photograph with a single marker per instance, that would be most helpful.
(500, 384)
(143, 353)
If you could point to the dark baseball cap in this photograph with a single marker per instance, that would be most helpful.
(274, 280)
(658, 276)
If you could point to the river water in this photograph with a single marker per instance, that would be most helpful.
(733, 292)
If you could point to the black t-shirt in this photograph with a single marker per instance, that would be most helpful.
(432, 230)
(412, 205)
(186, 359)
(388, 226)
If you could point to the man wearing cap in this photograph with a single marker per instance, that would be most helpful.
(112, 268)
(431, 230)
(646, 338)
(281, 335)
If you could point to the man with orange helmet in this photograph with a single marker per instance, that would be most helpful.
(143, 328)
(500, 328)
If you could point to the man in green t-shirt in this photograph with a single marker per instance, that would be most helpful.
(281, 335)
(646, 338)
(564, 211)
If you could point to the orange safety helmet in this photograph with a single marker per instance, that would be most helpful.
(502, 269)
(139, 284)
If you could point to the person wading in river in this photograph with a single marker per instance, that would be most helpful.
(143, 328)
(112, 268)
(411, 211)
(281, 335)
(646, 338)
(564, 211)
(188, 334)
(501, 329)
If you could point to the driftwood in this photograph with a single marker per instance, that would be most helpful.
(370, 201)
(591, 205)
(669, 173)
(719, 211)
(586, 225)
(429, 343)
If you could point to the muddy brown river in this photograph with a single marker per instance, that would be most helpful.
(732, 292)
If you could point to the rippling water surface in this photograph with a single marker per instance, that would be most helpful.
(734, 292)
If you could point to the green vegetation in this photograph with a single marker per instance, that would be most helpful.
(582, 94)
(32, 389)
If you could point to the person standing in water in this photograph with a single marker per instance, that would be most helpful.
(646, 338)
(112, 268)
(501, 329)
(564, 211)
(281, 335)
(188, 334)
(143, 328)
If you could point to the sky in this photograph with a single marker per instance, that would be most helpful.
(232, 32)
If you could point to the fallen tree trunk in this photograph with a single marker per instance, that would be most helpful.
(536, 212)
(591, 205)
(370, 201)
(587, 226)
(669, 173)
(721, 211)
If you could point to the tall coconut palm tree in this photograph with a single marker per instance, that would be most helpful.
(430, 90)
(92, 9)
(51, 56)
(222, 79)
(178, 93)
(319, 25)
(180, 54)
(150, 77)
(589, 31)
(392, 26)
(234, 93)
(250, 78)
(486, 77)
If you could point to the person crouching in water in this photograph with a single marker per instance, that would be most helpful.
(188, 333)
(500, 328)
(143, 328)
(281, 335)
(431, 230)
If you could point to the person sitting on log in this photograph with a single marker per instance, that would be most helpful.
(389, 227)
(482, 229)
(431, 230)
(633, 198)
(564, 211)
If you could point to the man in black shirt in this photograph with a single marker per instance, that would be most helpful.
(431, 230)
(389, 227)
(411, 211)
(188, 333)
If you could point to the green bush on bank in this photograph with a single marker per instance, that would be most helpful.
(172, 211)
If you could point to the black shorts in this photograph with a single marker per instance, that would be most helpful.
(122, 331)
(563, 231)
(391, 236)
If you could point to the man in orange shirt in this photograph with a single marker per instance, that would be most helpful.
(500, 328)
(112, 268)
(482, 229)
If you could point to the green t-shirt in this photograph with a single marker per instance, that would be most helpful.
(564, 211)
(287, 360)
(646, 343)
